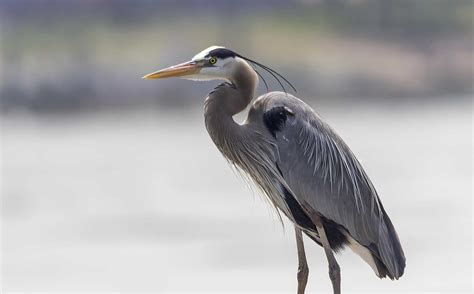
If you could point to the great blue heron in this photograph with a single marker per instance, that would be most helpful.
(303, 167)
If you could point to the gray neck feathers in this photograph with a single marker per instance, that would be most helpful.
(244, 145)
(226, 101)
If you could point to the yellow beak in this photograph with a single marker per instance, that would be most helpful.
(183, 69)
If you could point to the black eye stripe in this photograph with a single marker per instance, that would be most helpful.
(221, 53)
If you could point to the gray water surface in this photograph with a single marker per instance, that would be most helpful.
(143, 201)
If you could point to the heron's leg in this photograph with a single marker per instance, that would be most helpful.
(334, 271)
(302, 264)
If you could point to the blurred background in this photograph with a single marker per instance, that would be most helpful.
(110, 182)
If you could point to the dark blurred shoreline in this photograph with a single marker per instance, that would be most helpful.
(75, 56)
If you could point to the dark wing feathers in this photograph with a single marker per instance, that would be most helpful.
(324, 174)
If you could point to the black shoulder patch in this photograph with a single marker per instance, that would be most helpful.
(275, 118)
(221, 53)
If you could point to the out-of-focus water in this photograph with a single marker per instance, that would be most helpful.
(143, 201)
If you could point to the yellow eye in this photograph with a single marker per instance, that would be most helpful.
(212, 60)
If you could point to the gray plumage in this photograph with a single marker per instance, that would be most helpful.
(299, 163)
(325, 176)
(316, 165)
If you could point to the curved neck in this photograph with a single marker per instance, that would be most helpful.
(227, 100)
(230, 99)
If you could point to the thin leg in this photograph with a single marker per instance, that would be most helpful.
(302, 264)
(334, 271)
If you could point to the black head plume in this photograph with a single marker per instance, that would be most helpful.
(223, 53)
(273, 72)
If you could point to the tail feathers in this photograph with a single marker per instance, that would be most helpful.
(382, 271)
(389, 249)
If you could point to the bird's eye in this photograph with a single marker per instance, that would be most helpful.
(212, 60)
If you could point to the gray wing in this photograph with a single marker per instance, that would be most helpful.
(324, 175)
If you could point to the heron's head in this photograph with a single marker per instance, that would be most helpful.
(216, 63)
(213, 63)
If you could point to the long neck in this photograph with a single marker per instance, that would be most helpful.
(231, 99)
(227, 100)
